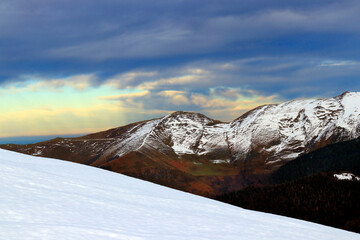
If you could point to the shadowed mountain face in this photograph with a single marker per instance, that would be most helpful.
(322, 186)
(194, 153)
(338, 157)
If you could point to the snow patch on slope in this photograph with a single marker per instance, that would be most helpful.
(351, 116)
(133, 139)
(213, 138)
(347, 176)
(51, 199)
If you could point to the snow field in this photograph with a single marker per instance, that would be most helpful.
(51, 199)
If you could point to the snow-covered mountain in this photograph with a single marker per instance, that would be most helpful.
(257, 143)
(51, 199)
(277, 133)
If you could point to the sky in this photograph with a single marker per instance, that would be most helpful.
(76, 67)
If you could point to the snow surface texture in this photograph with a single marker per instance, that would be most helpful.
(347, 177)
(51, 199)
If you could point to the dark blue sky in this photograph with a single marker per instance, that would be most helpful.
(180, 54)
(61, 37)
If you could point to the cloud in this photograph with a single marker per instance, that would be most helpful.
(162, 36)
(156, 41)
(79, 82)
(181, 80)
(279, 21)
(175, 97)
(206, 102)
(241, 102)
(149, 100)
(266, 75)
(228, 93)
(37, 83)
(125, 96)
(228, 109)
(220, 89)
(332, 63)
(152, 57)
(185, 93)
(127, 79)
(110, 37)
(171, 93)
(156, 79)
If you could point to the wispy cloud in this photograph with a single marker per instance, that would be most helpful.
(195, 87)
(127, 79)
(145, 43)
(177, 98)
(79, 82)
(173, 81)
(213, 32)
(333, 63)
(229, 108)
(137, 30)
(125, 96)
(37, 83)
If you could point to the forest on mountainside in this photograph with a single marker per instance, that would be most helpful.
(342, 156)
(306, 188)
(320, 198)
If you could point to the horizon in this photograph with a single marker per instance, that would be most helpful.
(23, 140)
(87, 66)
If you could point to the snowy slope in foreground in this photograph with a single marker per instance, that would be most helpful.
(50, 199)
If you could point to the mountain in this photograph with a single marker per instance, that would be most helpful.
(51, 199)
(194, 153)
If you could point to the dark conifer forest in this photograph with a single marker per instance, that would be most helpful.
(320, 198)
(342, 156)
(307, 189)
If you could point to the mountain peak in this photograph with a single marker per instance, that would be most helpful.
(188, 114)
(347, 93)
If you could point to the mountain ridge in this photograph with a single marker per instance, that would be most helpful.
(203, 151)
